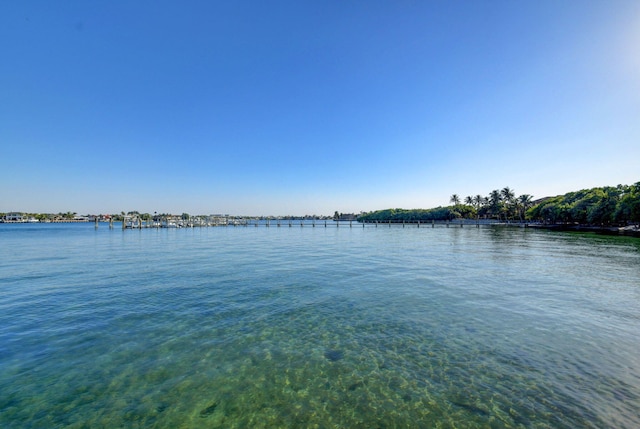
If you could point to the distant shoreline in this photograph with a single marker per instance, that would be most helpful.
(47, 221)
(629, 230)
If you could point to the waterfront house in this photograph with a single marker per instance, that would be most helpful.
(14, 217)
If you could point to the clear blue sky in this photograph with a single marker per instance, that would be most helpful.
(308, 107)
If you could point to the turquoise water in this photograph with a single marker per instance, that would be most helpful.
(317, 327)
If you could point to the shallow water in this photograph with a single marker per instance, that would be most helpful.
(318, 327)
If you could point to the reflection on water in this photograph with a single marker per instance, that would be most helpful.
(258, 327)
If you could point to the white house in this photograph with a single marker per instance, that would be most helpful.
(14, 217)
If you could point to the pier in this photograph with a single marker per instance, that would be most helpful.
(135, 222)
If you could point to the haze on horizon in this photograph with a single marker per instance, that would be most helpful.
(308, 107)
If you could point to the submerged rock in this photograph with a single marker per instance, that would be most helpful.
(333, 355)
(209, 410)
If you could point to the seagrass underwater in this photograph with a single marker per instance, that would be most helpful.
(317, 327)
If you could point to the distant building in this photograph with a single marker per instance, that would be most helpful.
(348, 216)
(14, 217)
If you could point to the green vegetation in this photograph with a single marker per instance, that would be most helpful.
(618, 205)
(499, 205)
(608, 205)
(438, 213)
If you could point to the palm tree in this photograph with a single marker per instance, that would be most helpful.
(523, 202)
(455, 199)
(508, 198)
(478, 201)
(468, 200)
(495, 202)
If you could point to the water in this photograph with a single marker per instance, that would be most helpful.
(318, 327)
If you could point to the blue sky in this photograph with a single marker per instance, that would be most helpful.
(308, 107)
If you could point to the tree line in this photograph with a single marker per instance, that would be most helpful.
(499, 204)
(597, 206)
(607, 205)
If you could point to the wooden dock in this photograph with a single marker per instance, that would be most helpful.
(133, 222)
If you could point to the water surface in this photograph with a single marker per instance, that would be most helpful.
(318, 327)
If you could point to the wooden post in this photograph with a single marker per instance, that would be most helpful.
(350, 223)
(96, 222)
(447, 223)
(111, 222)
(433, 223)
(418, 223)
(124, 223)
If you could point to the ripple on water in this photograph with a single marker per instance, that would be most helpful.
(314, 327)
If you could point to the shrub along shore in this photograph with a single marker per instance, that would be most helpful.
(609, 208)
